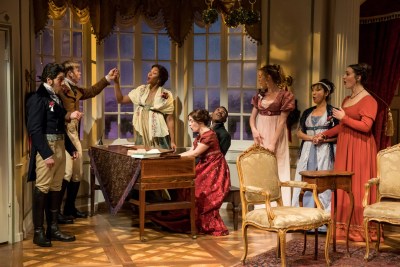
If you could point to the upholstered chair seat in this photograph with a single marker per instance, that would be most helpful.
(260, 184)
(288, 217)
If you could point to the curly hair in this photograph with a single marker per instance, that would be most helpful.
(277, 75)
(362, 70)
(162, 74)
(201, 115)
(51, 70)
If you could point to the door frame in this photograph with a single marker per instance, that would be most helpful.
(6, 136)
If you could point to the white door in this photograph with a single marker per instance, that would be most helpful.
(4, 136)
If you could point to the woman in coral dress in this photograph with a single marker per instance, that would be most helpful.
(271, 107)
(355, 149)
(212, 182)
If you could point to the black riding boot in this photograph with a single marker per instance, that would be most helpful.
(38, 204)
(62, 219)
(69, 207)
(53, 232)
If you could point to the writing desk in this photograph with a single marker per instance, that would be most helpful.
(117, 173)
(332, 180)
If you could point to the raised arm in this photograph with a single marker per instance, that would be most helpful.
(121, 99)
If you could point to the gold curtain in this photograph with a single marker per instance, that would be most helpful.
(177, 16)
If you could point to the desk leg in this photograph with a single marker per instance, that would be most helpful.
(334, 218)
(142, 211)
(192, 213)
(351, 196)
(92, 190)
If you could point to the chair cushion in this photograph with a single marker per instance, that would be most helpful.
(289, 217)
(383, 210)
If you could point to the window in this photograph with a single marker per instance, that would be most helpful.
(121, 50)
(222, 68)
(62, 40)
(225, 74)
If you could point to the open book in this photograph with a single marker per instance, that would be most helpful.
(143, 154)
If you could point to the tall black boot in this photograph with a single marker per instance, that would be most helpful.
(38, 204)
(53, 232)
(69, 207)
(62, 219)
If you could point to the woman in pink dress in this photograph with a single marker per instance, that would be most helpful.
(355, 149)
(271, 107)
(212, 182)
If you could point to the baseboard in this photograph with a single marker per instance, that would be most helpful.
(18, 237)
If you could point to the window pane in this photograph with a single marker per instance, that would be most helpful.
(146, 67)
(250, 50)
(111, 127)
(111, 104)
(234, 127)
(214, 74)
(164, 47)
(214, 47)
(126, 46)
(198, 29)
(48, 44)
(199, 96)
(247, 135)
(216, 26)
(199, 77)
(110, 44)
(65, 45)
(148, 47)
(250, 74)
(108, 65)
(235, 47)
(234, 74)
(127, 73)
(247, 96)
(126, 127)
(199, 49)
(234, 100)
(126, 107)
(146, 28)
(77, 44)
(65, 20)
(213, 99)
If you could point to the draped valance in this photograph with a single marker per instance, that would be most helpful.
(176, 16)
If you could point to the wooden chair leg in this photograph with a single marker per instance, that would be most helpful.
(366, 239)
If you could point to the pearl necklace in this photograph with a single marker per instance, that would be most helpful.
(353, 96)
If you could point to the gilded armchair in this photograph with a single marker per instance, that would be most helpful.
(386, 208)
(260, 184)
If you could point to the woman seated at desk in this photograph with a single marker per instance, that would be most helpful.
(212, 182)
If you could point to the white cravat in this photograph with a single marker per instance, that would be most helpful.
(52, 93)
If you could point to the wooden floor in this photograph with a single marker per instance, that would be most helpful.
(106, 240)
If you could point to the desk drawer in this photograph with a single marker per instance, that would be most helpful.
(165, 167)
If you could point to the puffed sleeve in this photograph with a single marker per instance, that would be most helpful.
(254, 101)
(288, 103)
(208, 138)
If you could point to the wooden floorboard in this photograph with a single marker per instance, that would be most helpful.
(107, 240)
